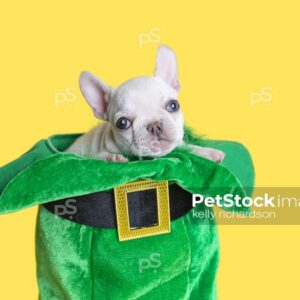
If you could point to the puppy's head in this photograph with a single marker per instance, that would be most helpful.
(144, 112)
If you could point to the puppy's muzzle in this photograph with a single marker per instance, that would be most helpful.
(155, 128)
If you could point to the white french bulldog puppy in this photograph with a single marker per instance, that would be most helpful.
(142, 117)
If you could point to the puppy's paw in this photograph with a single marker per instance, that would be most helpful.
(116, 158)
(209, 153)
(214, 155)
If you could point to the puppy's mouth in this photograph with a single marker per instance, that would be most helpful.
(155, 148)
(161, 143)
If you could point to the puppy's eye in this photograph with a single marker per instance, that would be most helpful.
(123, 123)
(172, 106)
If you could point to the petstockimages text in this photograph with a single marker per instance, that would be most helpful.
(230, 200)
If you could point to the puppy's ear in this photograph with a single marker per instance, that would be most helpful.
(166, 67)
(96, 93)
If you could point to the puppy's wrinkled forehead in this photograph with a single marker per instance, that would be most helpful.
(141, 94)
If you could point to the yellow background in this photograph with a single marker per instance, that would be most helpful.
(227, 50)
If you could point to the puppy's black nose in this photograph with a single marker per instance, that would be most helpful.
(156, 128)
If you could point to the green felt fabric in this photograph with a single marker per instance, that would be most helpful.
(80, 262)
